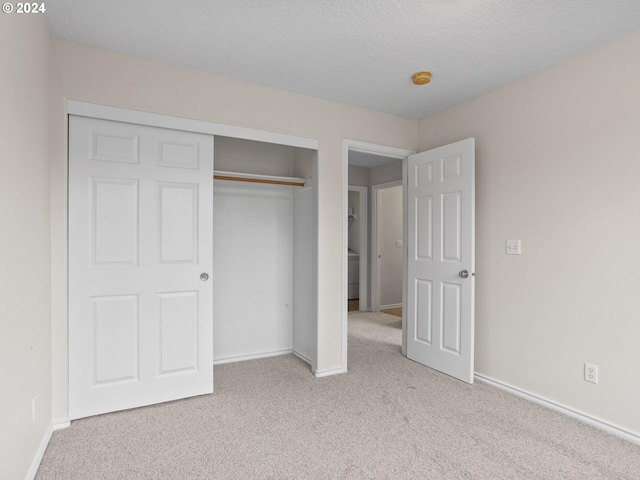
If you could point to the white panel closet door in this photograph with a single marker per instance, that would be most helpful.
(441, 262)
(140, 235)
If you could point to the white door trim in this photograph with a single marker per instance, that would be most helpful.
(405, 251)
(375, 261)
(376, 149)
(364, 250)
(117, 114)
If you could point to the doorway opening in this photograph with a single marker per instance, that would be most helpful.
(358, 248)
(365, 167)
(387, 244)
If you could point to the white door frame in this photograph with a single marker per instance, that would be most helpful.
(375, 149)
(375, 260)
(364, 250)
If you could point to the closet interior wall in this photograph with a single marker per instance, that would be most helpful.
(262, 253)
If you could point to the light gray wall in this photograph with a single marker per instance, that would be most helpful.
(389, 172)
(558, 167)
(303, 293)
(25, 253)
(358, 176)
(303, 162)
(248, 156)
(252, 270)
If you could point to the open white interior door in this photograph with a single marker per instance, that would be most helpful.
(441, 260)
(140, 253)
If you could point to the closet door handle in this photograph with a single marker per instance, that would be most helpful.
(204, 277)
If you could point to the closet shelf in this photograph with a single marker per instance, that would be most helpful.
(253, 178)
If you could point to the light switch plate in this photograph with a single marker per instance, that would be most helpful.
(513, 247)
(398, 243)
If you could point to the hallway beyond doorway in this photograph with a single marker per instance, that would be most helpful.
(396, 311)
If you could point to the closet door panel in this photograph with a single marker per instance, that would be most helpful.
(178, 223)
(140, 234)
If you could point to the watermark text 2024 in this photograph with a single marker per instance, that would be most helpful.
(24, 8)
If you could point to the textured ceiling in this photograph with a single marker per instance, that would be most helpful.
(359, 52)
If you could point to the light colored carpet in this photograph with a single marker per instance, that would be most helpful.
(387, 418)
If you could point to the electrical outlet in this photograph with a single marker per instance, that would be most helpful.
(591, 373)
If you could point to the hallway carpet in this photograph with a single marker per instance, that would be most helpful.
(387, 418)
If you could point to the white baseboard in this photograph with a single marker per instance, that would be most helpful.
(254, 356)
(61, 424)
(302, 357)
(570, 412)
(328, 373)
(394, 305)
(35, 464)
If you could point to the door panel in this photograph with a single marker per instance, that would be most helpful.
(424, 309)
(178, 329)
(441, 203)
(114, 215)
(178, 225)
(115, 326)
(140, 234)
(424, 223)
(451, 241)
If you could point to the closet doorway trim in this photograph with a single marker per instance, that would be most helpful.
(117, 114)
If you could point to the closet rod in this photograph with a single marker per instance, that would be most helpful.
(294, 182)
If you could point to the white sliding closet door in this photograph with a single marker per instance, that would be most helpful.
(140, 236)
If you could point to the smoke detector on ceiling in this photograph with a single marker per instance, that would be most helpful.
(421, 78)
